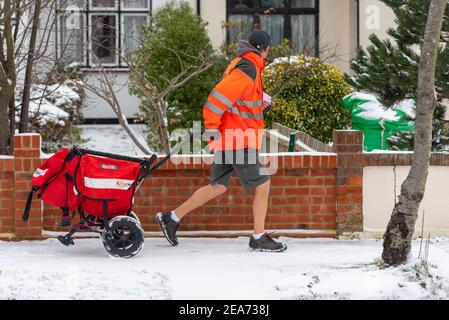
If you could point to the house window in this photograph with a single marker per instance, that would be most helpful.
(100, 31)
(296, 20)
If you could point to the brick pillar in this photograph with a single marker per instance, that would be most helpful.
(27, 150)
(349, 148)
(6, 199)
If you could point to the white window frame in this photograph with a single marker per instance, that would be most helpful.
(124, 10)
(117, 30)
(122, 27)
(100, 9)
(119, 11)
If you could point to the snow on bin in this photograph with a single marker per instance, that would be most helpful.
(376, 121)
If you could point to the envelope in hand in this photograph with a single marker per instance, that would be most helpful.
(266, 98)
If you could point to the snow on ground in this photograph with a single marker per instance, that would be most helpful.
(203, 268)
(112, 138)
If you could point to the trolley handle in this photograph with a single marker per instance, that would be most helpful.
(144, 162)
(175, 150)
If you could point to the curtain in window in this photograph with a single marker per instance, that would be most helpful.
(130, 32)
(274, 25)
(135, 4)
(303, 34)
(103, 38)
(104, 3)
(277, 4)
(240, 25)
(242, 4)
(71, 35)
(303, 3)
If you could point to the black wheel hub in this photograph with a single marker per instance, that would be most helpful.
(122, 239)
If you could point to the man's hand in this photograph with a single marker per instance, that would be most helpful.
(267, 104)
(267, 107)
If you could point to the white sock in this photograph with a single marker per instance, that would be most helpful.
(174, 217)
(257, 236)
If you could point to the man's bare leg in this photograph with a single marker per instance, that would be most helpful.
(169, 221)
(199, 198)
(260, 205)
(260, 241)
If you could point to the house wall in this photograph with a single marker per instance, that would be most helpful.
(214, 13)
(96, 108)
(338, 29)
(337, 24)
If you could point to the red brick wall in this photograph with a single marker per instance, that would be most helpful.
(349, 201)
(6, 201)
(302, 197)
(27, 154)
(313, 192)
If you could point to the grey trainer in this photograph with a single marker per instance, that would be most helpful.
(266, 244)
(168, 226)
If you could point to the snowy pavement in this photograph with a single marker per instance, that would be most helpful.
(203, 268)
(112, 138)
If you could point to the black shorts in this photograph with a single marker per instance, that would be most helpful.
(244, 162)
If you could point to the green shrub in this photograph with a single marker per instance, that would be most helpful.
(283, 49)
(307, 96)
(174, 40)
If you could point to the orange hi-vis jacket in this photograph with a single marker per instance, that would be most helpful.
(235, 106)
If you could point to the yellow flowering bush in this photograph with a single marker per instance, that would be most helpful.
(307, 95)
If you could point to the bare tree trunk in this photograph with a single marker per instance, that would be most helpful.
(125, 125)
(400, 229)
(106, 92)
(12, 120)
(23, 126)
(4, 103)
(163, 129)
(7, 76)
(124, 122)
(5, 98)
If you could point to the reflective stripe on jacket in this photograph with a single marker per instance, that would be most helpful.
(235, 105)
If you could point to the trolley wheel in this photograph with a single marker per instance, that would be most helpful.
(132, 214)
(125, 237)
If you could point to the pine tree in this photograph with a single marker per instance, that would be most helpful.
(440, 138)
(389, 68)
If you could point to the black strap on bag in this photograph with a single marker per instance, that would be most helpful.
(66, 220)
(26, 212)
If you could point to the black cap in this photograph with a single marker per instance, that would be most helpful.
(260, 39)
